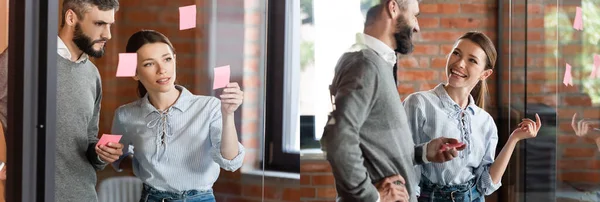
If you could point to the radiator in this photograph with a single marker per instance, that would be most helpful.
(120, 189)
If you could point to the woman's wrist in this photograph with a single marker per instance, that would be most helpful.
(512, 139)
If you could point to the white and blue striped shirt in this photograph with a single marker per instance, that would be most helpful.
(190, 156)
(434, 114)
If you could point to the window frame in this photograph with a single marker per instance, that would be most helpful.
(275, 158)
(31, 128)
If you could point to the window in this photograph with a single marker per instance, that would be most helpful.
(281, 119)
(323, 39)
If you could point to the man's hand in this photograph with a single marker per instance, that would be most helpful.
(437, 150)
(111, 152)
(392, 189)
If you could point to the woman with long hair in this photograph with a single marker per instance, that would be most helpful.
(175, 141)
(456, 109)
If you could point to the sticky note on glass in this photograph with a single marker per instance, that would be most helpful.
(578, 23)
(187, 17)
(106, 138)
(221, 78)
(568, 80)
(127, 64)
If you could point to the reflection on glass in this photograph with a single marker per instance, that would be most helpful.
(578, 106)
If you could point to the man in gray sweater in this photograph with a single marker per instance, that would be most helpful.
(84, 31)
(367, 140)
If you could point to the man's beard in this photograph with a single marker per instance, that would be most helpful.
(403, 37)
(85, 43)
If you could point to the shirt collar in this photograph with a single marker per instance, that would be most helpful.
(448, 103)
(64, 52)
(383, 50)
(181, 104)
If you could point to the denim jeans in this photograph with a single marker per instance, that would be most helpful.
(150, 194)
(449, 193)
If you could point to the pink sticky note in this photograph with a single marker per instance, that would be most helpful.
(187, 17)
(127, 64)
(578, 24)
(106, 138)
(221, 78)
(450, 146)
(568, 80)
(596, 67)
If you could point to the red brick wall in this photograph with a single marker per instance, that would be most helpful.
(316, 181)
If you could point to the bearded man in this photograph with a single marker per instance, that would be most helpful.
(367, 139)
(84, 31)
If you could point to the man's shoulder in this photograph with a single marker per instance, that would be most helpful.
(363, 58)
(360, 54)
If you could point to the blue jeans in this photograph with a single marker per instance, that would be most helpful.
(150, 194)
(449, 193)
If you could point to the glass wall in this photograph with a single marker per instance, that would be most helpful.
(550, 48)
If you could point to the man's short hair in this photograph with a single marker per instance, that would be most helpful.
(80, 7)
(373, 14)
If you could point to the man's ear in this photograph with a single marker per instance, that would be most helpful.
(71, 18)
(391, 8)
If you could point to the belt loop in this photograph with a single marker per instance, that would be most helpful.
(452, 196)
(470, 194)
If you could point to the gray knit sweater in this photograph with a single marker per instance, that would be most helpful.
(371, 139)
(78, 109)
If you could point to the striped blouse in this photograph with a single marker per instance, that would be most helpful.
(188, 155)
(434, 114)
